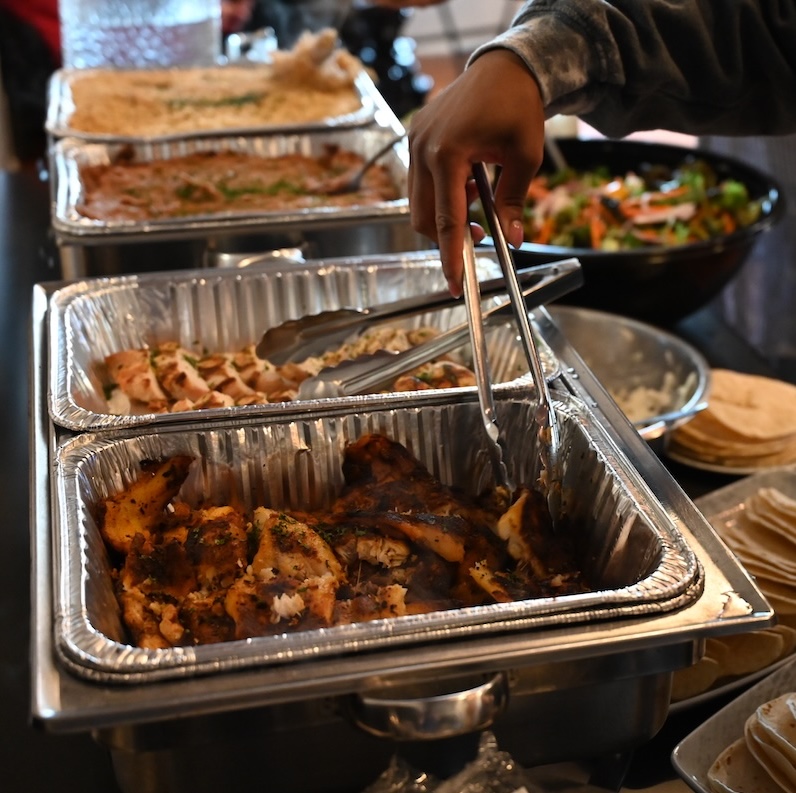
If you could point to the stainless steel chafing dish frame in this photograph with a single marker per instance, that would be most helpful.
(60, 106)
(633, 649)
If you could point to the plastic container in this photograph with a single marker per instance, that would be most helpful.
(139, 33)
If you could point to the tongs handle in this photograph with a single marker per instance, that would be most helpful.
(548, 426)
(483, 379)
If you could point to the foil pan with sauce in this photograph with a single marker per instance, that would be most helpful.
(69, 155)
(631, 552)
(225, 310)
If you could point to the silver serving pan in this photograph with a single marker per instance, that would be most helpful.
(632, 554)
(70, 155)
(224, 310)
(627, 354)
(61, 106)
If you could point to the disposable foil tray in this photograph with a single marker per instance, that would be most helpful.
(70, 155)
(61, 106)
(225, 310)
(633, 554)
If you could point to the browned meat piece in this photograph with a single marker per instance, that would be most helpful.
(380, 603)
(221, 375)
(528, 532)
(383, 476)
(445, 535)
(436, 374)
(216, 545)
(205, 619)
(264, 604)
(139, 509)
(152, 583)
(142, 617)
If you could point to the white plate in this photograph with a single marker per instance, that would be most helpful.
(694, 755)
(717, 468)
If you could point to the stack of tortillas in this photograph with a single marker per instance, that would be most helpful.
(764, 760)
(750, 422)
(763, 537)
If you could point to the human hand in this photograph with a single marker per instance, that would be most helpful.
(493, 112)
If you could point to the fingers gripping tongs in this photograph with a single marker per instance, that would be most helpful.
(548, 431)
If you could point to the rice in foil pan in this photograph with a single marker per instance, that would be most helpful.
(630, 550)
(69, 155)
(61, 107)
(227, 310)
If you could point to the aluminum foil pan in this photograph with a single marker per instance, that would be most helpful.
(70, 155)
(633, 554)
(61, 106)
(225, 310)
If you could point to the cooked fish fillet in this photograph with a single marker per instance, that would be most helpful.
(290, 547)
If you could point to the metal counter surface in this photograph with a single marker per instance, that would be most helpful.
(36, 761)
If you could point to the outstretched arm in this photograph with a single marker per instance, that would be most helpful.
(697, 66)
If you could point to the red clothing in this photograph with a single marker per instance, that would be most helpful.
(42, 15)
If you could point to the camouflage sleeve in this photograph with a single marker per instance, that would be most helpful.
(697, 66)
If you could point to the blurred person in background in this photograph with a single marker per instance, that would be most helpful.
(236, 15)
(30, 51)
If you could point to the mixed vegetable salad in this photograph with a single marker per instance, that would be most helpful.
(657, 206)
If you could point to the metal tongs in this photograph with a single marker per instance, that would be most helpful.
(361, 375)
(483, 379)
(313, 334)
(548, 435)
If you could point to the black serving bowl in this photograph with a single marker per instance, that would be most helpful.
(657, 284)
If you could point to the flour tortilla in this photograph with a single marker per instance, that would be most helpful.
(777, 722)
(695, 679)
(751, 651)
(699, 432)
(736, 770)
(761, 408)
(768, 754)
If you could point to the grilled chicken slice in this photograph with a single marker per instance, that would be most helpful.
(204, 618)
(133, 372)
(436, 374)
(139, 508)
(381, 603)
(220, 374)
(176, 372)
